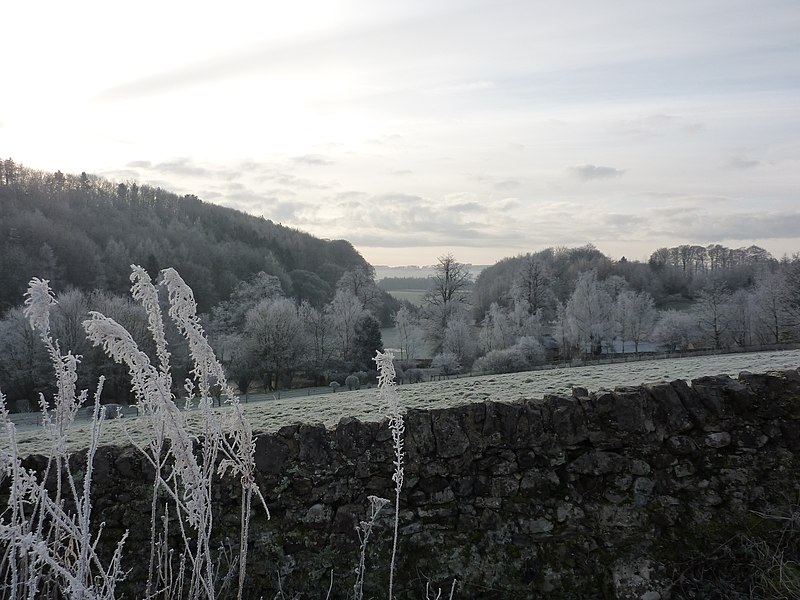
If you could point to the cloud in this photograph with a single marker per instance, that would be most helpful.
(182, 166)
(401, 172)
(314, 160)
(466, 207)
(737, 162)
(292, 181)
(735, 226)
(139, 164)
(506, 185)
(271, 207)
(658, 125)
(592, 172)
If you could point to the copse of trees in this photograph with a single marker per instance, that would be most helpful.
(567, 303)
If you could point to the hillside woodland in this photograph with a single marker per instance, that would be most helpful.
(249, 276)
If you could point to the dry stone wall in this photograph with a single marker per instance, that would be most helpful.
(610, 494)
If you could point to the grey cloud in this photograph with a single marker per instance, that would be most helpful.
(592, 172)
(400, 172)
(314, 160)
(139, 164)
(622, 220)
(182, 166)
(466, 207)
(687, 201)
(271, 207)
(737, 162)
(292, 181)
(737, 226)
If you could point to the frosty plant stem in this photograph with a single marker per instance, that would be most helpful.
(388, 394)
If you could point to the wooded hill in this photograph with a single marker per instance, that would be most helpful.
(85, 231)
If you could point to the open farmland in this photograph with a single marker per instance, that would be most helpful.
(271, 414)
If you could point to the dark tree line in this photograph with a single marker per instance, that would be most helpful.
(85, 231)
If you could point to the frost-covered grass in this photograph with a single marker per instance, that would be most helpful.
(271, 414)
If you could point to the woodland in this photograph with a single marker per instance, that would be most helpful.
(283, 309)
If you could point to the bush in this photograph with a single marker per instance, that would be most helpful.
(522, 356)
(447, 363)
(415, 375)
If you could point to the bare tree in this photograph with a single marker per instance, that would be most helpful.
(532, 284)
(319, 332)
(450, 282)
(711, 311)
(769, 297)
(446, 298)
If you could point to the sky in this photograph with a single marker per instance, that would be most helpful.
(416, 128)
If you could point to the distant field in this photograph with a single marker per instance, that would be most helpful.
(415, 297)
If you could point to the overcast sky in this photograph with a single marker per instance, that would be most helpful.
(413, 128)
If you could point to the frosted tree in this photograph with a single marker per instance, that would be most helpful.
(792, 294)
(446, 363)
(459, 340)
(589, 313)
(526, 323)
(230, 314)
(344, 312)
(497, 329)
(711, 312)
(675, 330)
(277, 337)
(770, 304)
(360, 282)
(409, 333)
(739, 317)
(319, 333)
(24, 364)
(636, 317)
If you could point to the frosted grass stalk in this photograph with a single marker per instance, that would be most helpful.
(387, 388)
(364, 531)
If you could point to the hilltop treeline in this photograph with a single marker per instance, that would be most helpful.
(670, 276)
(84, 231)
(563, 303)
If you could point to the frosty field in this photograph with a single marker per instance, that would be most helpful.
(271, 414)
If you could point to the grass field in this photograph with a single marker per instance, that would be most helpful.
(267, 413)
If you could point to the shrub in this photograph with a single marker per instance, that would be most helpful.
(447, 363)
(415, 375)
